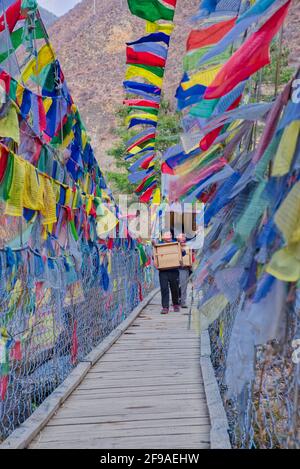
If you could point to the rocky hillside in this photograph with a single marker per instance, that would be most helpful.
(90, 43)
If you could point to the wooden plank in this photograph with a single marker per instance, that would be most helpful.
(94, 394)
(136, 386)
(139, 402)
(112, 367)
(132, 424)
(133, 368)
(75, 432)
(155, 442)
(58, 420)
(146, 359)
(72, 409)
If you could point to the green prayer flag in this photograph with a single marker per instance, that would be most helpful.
(205, 108)
(152, 10)
(158, 71)
(145, 109)
(143, 255)
(7, 179)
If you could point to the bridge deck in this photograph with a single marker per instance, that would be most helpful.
(146, 392)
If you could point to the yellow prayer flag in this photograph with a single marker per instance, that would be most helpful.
(75, 199)
(211, 310)
(84, 139)
(109, 263)
(47, 103)
(205, 77)
(136, 149)
(287, 217)
(49, 209)
(68, 197)
(286, 149)
(67, 140)
(141, 116)
(14, 205)
(133, 72)
(45, 57)
(166, 28)
(285, 263)
(34, 188)
(156, 197)
(9, 125)
(86, 183)
(89, 203)
(19, 94)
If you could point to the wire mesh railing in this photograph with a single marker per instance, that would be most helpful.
(265, 413)
(52, 316)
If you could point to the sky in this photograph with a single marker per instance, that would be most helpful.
(58, 7)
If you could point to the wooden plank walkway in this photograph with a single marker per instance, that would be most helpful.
(145, 392)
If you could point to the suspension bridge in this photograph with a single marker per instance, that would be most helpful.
(145, 391)
(86, 359)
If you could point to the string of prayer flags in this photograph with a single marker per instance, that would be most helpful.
(250, 190)
(146, 59)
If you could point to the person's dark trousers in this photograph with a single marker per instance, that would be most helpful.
(169, 279)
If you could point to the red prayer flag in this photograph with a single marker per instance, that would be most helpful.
(3, 161)
(165, 169)
(171, 2)
(141, 102)
(3, 387)
(145, 198)
(140, 292)
(5, 80)
(74, 352)
(209, 36)
(146, 163)
(42, 114)
(144, 58)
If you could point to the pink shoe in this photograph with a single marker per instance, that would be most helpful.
(165, 311)
(176, 308)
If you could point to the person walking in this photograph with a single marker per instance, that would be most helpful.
(169, 280)
(184, 273)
